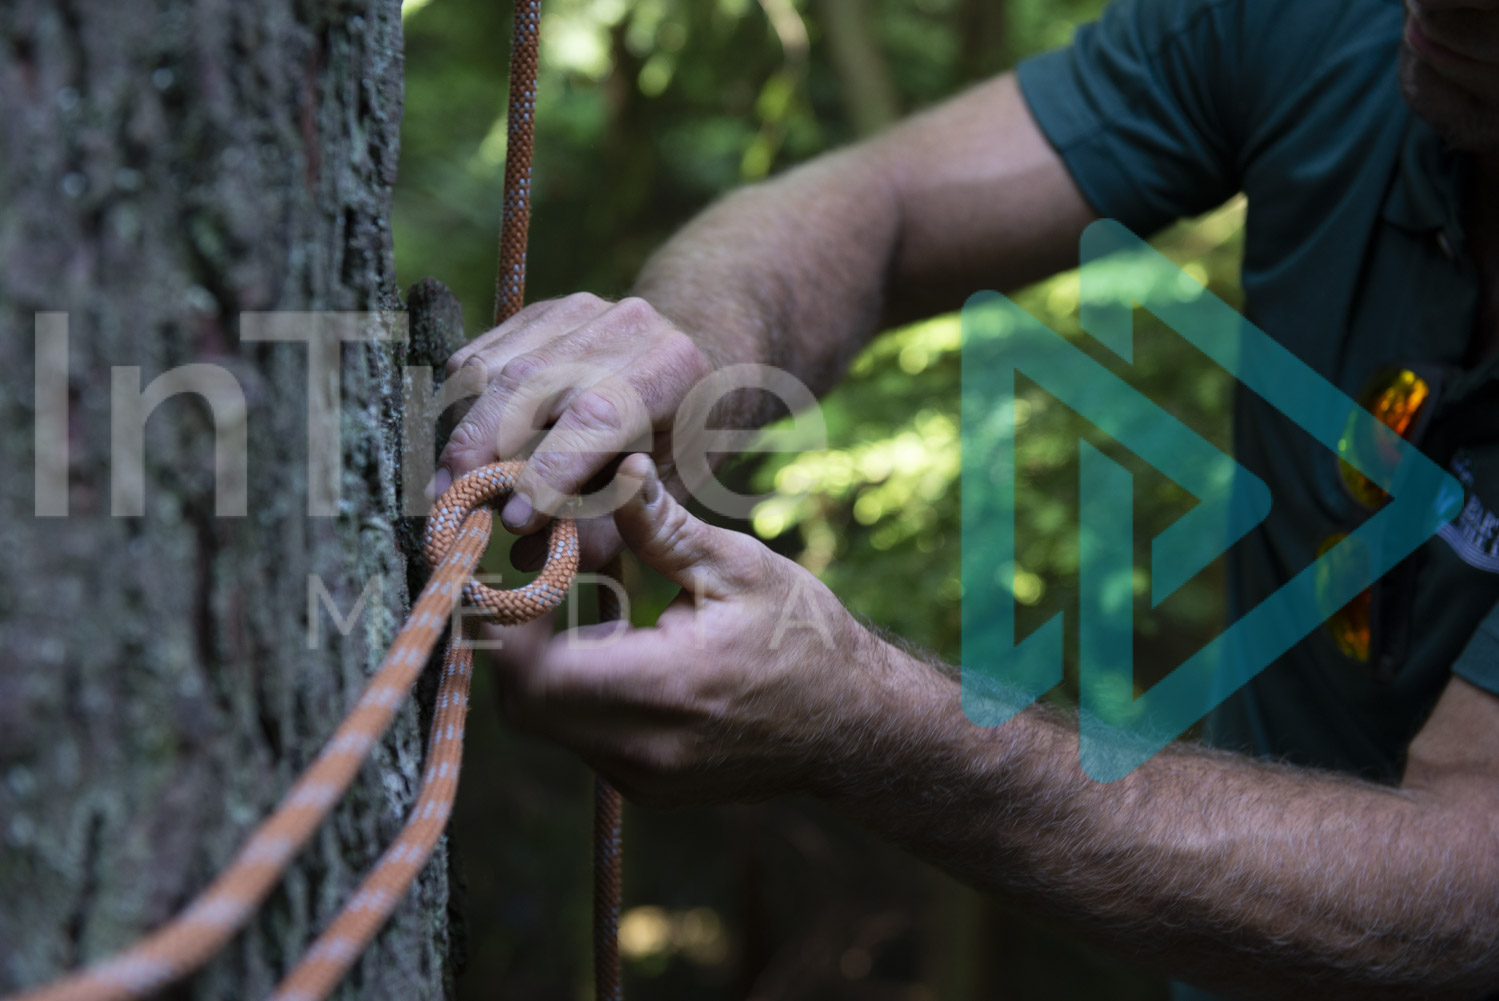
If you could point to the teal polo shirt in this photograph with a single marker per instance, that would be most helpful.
(1355, 260)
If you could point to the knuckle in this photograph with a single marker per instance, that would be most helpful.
(676, 529)
(466, 384)
(594, 409)
(468, 352)
(520, 370)
(682, 352)
(527, 314)
(581, 302)
(475, 348)
(547, 469)
(531, 311)
(633, 312)
(463, 365)
(479, 430)
(468, 437)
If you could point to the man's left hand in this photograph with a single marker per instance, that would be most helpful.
(755, 681)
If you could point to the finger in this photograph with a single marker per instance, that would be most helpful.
(596, 426)
(598, 543)
(490, 429)
(568, 310)
(510, 356)
(598, 419)
(706, 561)
(515, 648)
(569, 384)
(608, 666)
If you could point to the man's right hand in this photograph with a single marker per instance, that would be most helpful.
(796, 273)
(577, 382)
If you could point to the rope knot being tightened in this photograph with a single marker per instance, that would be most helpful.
(465, 507)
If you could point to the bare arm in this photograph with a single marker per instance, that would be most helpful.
(797, 272)
(1255, 878)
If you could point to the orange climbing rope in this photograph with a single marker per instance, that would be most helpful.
(457, 535)
(510, 294)
(607, 875)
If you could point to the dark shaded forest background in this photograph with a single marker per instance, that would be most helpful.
(647, 111)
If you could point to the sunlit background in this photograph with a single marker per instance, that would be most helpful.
(647, 110)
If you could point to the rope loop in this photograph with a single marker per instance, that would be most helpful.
(484, 487)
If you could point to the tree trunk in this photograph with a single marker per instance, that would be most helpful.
(165, 167)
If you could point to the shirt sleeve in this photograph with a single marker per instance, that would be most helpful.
(1479, 661)
(1141, 107)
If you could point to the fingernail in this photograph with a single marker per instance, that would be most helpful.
(652, 488)
(439, 484)
(516, 513)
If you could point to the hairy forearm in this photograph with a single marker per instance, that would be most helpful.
(1225, 870)
(789, 273)
(800, 271)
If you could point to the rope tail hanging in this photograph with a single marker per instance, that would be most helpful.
(510, 294)
(457, 535)
(607, 873)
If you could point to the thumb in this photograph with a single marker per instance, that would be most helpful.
(705, 560)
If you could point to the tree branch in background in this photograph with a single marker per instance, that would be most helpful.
(868, 91)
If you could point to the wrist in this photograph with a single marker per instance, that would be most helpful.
(894, 723)
(717, 323)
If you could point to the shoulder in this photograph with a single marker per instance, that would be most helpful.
(1316, 73)
(1236, 59)
(1162, 108)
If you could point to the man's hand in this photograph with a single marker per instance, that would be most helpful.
(605, 377)
(753, 681)
(797, 273)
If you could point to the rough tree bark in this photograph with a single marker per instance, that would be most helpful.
(166, 165)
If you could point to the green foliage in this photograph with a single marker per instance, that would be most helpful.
(878, 514)
(645, 112)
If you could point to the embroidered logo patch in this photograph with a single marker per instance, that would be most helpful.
(1473, 534)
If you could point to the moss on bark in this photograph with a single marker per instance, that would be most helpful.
(165, 167)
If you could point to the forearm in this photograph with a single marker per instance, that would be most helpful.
(789, 273)
(1223, 869)
(800, 271)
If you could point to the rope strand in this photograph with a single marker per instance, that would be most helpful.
(607, 847)
(510, 294)
(520, 139)
(457, 535)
